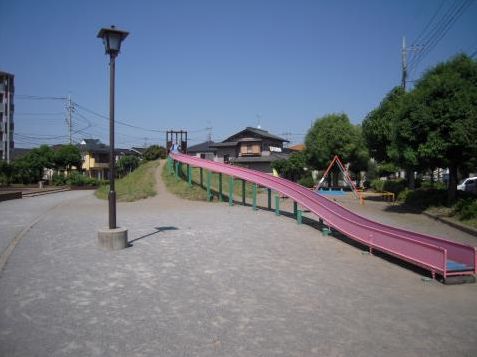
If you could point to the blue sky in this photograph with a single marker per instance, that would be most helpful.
(220, 64)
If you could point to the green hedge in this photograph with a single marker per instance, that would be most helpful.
(394, 186)
(76, 179)
(423, 198)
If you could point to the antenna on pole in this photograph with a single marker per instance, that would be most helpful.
(259, 117)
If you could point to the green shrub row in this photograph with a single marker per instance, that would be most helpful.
(394, 186)
(76, 179)
(422, 198)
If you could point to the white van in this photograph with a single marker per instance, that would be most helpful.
(468, 185)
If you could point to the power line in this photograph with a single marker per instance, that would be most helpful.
(82, 107)
(37, 97)
(40, 114)
(116, 121)
(441, 28)
(429, 22)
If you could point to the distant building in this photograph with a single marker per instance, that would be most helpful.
(95, 156)
(139, 151)
(252, 148)
(297, 147)
(203, 150)
(7, 108)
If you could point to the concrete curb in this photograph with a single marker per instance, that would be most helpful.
(463, 228)
(41, 193)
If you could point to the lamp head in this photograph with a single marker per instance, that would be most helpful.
(112, 38)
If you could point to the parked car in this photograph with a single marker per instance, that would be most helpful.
(468, 185)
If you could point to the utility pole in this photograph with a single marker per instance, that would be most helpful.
(404, 54)
(69, 119)
(404, 63)
(8, 122)
(209, 133)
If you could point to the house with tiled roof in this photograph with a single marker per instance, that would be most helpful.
(253, 148)
(203, 150)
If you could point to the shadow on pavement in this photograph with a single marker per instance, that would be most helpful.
(157, 230)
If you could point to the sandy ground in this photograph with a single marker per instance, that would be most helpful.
(206, 279)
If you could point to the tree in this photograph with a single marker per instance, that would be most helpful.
(66, 157)
(437, 126)
(127, 164)
(6, 173)
(30, 167)
(293, 168)
(378, 125)
(359, 157)
(333, 135)
(154, 152)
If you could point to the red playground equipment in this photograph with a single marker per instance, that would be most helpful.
(440, 256)
(346, 176)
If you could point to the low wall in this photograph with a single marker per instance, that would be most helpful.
(11, 195)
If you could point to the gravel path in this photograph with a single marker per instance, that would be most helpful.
(205, 279)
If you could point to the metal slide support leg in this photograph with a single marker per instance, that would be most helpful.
(254, 197)
(220, 188)
(201, 177)
(299, 216)
(295, 209)
(231, 191)
(269, 191)
(189, 175)
(277, 205)
(243, 192)
(177, 170)
(208, 185)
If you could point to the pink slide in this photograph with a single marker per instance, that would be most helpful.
(435, 254)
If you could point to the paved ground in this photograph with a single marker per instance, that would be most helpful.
(205, 279)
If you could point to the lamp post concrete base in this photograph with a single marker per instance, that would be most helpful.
(113, 239)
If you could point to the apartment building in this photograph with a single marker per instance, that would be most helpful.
(6, 115)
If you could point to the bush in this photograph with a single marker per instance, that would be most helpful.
(58, 180)
(466, 209)
(431, 184)
(154, 152)
(423, 198)
(77, 179)
(377, 185)
(307, 181)
(127, 164)
(394, 186)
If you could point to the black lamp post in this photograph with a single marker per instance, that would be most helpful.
(112, 39)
